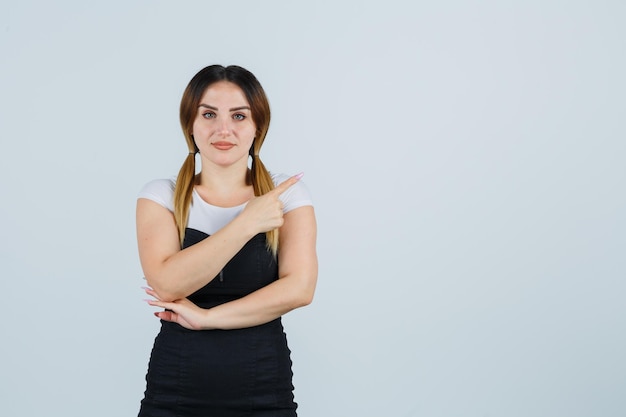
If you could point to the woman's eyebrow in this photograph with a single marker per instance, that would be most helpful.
(232, 109)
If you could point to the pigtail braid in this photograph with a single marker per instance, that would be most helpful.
(183, 193)
(262, 184)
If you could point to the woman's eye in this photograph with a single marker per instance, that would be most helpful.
(239, 116)
(208, 115)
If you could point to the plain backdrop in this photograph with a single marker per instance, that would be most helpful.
(467, 162)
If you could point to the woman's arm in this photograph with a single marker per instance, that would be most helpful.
(294, 288)
(173, 273)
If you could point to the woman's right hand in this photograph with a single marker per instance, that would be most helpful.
(182, 311)
(265, 213)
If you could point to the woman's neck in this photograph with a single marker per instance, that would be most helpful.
(223, 182)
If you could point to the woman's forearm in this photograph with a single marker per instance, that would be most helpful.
(188, 270)
(263, 305)
(174, 273)
(295, 286)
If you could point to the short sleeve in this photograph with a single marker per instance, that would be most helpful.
(160, 191)
(297, 195)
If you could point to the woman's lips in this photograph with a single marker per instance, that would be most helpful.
(223, 146)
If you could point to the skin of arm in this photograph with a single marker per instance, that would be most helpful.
(295, 287)
(174, 274)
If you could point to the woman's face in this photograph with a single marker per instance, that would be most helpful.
(223, 128)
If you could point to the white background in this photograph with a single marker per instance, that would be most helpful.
(467, 161)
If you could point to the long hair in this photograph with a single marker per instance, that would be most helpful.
(259, 177)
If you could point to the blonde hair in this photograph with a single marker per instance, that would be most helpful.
(259, 177)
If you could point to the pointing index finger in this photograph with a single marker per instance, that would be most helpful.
(283, 186)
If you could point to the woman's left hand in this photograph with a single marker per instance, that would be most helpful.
(182, 311)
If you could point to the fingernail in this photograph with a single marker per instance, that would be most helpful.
(300, 175)
(148, 301)
(146, 288)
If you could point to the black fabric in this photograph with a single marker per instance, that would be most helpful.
(243, 372)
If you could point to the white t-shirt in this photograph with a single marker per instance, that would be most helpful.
(208, 218)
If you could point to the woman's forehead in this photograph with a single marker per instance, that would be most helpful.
(224, 93)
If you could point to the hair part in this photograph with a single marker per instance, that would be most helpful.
(259, 178)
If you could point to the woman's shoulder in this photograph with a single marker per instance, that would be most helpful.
(160, 191)
(297, 195)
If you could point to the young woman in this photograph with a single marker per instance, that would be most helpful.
(226, 252)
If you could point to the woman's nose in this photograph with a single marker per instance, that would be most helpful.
(224, 126)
